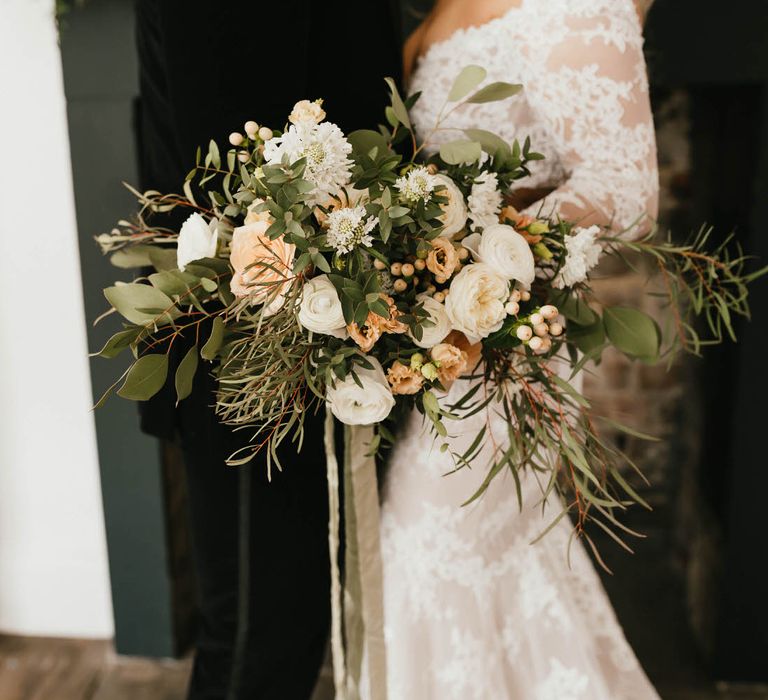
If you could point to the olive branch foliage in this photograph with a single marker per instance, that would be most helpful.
(272, 373)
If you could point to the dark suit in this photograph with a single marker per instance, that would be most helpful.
(206, 68)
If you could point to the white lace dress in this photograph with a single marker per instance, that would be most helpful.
(472, 609)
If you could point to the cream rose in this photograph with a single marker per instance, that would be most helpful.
(260, 265)
(454, 214)
(320, 308)
(432, 335)
(197, 239)
(370, 403)
(476, 301)
(304, 110)
(505, 251)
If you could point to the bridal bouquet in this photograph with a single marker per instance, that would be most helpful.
(317, 268)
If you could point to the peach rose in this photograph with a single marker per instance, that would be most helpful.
(403, 379)
(443, 258)
(451, 362)
(260, 264)
(367, 335)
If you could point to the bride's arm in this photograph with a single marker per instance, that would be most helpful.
(594, 97)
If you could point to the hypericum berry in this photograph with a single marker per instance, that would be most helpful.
(236, 138)
(541, 329)
(439, 296)
(251, 128)
(243, 156)
(265, 133)
(512, 308)
(400, 285)
(536, 319)
(463, 253)
(524, 333)
(515, 295)
(536, 343)
(555, 329)
(379, 264)
(525, 295)
(419, 264)
(396, 269)
(407, 270)
(548, 311)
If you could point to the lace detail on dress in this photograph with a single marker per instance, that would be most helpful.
(472, 609)
(584, 105)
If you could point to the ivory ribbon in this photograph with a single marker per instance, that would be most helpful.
(357, 607)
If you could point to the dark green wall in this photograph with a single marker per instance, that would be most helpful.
(101, 84)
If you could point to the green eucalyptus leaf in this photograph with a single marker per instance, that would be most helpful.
(145, 378)
(574, 309)
(586, 338)
(128, 299)
(365, 140)
(185, 373)
(209, 285)
(398, 107)
(214, 341)
(495, 92)
(633, 332)
(119, 342)
(468, 79)
(163, 258)
(132, 256)
(489, 142)
(460, 151)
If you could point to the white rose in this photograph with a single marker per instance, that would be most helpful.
(320, 308)
(356, 405)
(197, 239)
(505, 251)
(454, 214)
(476, 301)
(435, 334)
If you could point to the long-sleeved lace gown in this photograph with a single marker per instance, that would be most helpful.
(473, 610)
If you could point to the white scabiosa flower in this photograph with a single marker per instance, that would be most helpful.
(349, 228)
(326, 150)
(582, 253)
(197, 239)
(484, 201)
(417, 184)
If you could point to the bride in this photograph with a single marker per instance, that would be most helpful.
(472, 608)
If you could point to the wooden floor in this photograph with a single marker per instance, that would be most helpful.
(68, 669)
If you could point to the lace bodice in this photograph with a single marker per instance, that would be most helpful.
(585, 102)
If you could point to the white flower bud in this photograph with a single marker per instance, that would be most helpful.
(555, 329)
(536, 319)
(535, 343)
(265, 133)
(251, 128)
(525, 295)
(524, 333)
(515, 295)
(541, 329)
(512, 308)
(548, 311)
(546, 345)
(236, 138)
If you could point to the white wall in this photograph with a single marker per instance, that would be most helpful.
(53, 563)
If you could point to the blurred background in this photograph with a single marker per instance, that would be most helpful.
(97, 593)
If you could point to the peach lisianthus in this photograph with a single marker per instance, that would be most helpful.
(404, 380)
(451, 362)
(366, 335)
(443, 258)
(260, 265)
(392, 325)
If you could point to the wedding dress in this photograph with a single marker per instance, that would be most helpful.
(472, 609)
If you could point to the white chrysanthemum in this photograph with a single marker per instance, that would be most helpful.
(326, 150)
(484, 201)
(349, 228)
(417, 184)
(582, 253)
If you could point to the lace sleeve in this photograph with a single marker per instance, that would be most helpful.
(593, 96)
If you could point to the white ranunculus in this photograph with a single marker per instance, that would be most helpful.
(476, 301)
(320, 308)
(197, 239)
(370, 403)
(442, 324)
(505, 251)
(454, 214)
